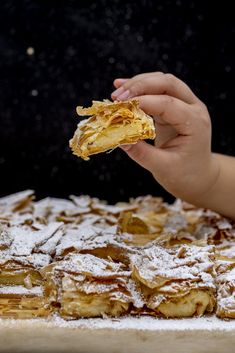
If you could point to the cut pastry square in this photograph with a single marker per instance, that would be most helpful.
(21, 269)
(86, 286)
(111, 124)
(226, 282)
(226, 292)
(19, 302)
(24, 251)
(22, 254)
(176, 282)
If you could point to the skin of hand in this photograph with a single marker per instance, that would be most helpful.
(181, 160)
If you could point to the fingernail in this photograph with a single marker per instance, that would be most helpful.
(121, 80)
(124, 95)
(125, 147)
(118, 92)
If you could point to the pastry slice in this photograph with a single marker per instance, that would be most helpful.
(176, 282)
(111, 124)
(83, 285)
(225, 280)
(226, 291)
(20, 259)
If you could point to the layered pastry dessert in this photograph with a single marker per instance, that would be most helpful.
(82, 258)
(111, 124)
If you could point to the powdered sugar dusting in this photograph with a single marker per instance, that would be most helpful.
(145, 323)
(181, 247)
(21, 290)
(24, 240)
(89, 264)
(187, 262)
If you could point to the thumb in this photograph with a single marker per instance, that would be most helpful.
(143, 153)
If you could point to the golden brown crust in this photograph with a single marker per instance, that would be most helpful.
(111, 124)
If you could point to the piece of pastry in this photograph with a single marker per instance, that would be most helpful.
(225, 268)
(24, 249)
(21, 285)
(176, 282)
(83, 285)
(22, 254)
(226, 291)
(111, 124)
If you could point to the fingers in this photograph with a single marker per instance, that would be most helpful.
(173, 111)
(119, 81)
(155, 83)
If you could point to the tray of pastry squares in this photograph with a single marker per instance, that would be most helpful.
(136, 275)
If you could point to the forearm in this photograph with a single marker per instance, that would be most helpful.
(221, 196)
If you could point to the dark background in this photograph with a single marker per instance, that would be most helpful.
(79, 48)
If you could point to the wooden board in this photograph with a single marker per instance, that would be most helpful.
(126, 335)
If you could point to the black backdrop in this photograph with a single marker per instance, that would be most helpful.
(58, 54)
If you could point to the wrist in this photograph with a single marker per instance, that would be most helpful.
(209, 184)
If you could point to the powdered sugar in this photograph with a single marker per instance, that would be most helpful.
(144, 323)
(228, 252)
(157, 262)
(10, 202)
(35, 260)
(36, 234)
(21, 290)
(89, 264)
(24, 240)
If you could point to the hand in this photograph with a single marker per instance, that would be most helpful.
(181, 160)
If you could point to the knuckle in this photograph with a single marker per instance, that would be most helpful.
(137, 88)
(138, 76)
(170, 80)
(170, 77)
(159, 73)
(138, 153)
(203, 114)
(203, 106)
(202, 109)
(167, 99)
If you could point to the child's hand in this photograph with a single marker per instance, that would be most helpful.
(181, 160)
